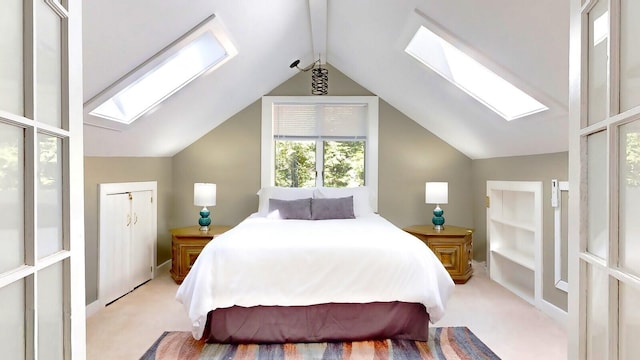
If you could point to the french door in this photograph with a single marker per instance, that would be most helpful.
(41, 181)
(604, 162)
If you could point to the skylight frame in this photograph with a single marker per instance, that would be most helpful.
(445, 44)
(211, 27)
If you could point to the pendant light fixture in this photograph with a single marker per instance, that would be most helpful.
(319, 76)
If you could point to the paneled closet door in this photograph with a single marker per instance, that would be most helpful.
(114, 247)
(126, 246)
(142, 238)
(128, 237)
(604, 158)
(42, 289)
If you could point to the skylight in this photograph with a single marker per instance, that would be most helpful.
(167, 72)
(476, 80)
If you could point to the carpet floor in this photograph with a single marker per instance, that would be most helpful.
(449, 343)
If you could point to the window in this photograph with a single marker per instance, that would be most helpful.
(203, 49)
(320, 141)
(319, 144)
(470, 76)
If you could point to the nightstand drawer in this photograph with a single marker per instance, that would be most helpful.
(188, 252)
(449, 256)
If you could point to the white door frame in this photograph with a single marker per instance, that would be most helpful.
(68, 133)
(556, 203)
(610, 275)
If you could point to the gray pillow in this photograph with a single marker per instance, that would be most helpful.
(292, 209)
(335, 208)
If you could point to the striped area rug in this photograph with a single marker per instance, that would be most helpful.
(444, 343)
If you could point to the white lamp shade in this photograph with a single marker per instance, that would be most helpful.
(436, 192)
(204, 194)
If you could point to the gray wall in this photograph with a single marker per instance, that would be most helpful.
(99, 170)
(228, 156)
(409, 155)
(523, 168)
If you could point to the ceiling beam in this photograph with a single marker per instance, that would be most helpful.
(318, 17)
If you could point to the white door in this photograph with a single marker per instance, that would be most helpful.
(126, 244)
(143, 237)
(604, 160)
(114, 247)
(42, 311)
(128, 237)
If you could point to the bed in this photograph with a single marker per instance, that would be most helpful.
(275, 279)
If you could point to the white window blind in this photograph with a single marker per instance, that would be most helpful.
(333, 121)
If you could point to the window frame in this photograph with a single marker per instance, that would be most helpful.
(471, 76)
(212, 25)
(68, 130)
(267, 163)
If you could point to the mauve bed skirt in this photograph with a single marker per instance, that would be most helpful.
(318, 323)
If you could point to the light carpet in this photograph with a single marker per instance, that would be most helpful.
(449, 343)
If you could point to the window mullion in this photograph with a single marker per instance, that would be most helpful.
(30, 194)
(29, 60)
(31, 323)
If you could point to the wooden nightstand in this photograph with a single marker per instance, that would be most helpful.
(186, 245)
(453, 246)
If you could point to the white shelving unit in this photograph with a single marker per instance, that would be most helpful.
(514, 236)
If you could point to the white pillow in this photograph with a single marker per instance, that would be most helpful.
(281, 193)
(361, 197)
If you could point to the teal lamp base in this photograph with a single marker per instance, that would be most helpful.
(204, 220)
(438, 219)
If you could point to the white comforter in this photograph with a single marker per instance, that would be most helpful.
(266, 261)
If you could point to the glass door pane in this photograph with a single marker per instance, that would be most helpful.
(629, 54)
(11, 197)
(597, 237)
(12, 326)
(50, 312)
(629, 322)
(598, 49)
(49, 170)
(629, 201)
(11, 58)
(49, 65)
(597, 314)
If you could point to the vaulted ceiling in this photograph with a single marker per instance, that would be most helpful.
(525, 41)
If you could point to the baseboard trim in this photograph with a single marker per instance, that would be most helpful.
(164, 267)
(554, 312)
(93, 308)
(96, 306)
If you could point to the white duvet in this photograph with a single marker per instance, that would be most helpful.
(266, 261)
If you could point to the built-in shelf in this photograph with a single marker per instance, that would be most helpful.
(515, 224)
(514, 237)
(517, 257)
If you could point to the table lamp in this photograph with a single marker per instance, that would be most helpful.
(437, 193)
(204, 194)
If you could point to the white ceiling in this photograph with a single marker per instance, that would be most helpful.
(525, 41)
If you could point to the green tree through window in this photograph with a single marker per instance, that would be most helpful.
(342, 163)
(295, 163)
